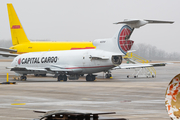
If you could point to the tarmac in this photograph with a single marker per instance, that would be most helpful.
(131, 98)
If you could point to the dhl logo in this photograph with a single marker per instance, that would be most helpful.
(16, 27)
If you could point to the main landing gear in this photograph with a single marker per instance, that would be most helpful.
(90, 77)
(62, 77)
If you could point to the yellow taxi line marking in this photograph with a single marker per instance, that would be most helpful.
(18, 104)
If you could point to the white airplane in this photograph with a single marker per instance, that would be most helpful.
(107, 55)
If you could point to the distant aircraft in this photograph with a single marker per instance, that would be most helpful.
(21, 44)
(107, 55)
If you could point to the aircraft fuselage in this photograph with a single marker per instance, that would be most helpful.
(75, 61)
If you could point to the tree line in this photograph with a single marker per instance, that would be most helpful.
(151, 52)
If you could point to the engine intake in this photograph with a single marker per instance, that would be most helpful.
(116, 59)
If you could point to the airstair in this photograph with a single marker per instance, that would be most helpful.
(140, 72)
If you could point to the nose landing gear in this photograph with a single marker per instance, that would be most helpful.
(23, 78)
(108, 75)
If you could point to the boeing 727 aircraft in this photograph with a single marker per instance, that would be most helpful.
(107, 55)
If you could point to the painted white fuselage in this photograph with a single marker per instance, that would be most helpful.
(80, 61)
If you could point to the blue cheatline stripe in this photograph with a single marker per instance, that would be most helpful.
(125, 26)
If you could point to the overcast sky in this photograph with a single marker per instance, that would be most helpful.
(87, 20)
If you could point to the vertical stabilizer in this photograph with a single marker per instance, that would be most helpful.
(17, 32)
(119, 43)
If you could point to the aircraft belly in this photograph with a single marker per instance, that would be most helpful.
(30, 72)
(95, 70)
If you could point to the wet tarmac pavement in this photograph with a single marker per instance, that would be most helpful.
(131, 98)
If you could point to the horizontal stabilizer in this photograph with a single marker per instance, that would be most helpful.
(8, 55)
(7, 50)
(139, 23)
(158, 21)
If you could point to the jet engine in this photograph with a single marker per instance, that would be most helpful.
(116, 60)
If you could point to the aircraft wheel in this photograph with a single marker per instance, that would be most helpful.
(82, 75)
(134, 76)
(94, 77)
(108, 75)
(23, 78)
(60, 77)
(90, 78)
(64, 78)
(127, 76)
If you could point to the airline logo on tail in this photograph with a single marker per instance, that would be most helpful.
(16, 27)
(123, 39)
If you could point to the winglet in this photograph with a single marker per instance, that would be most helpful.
(139, 23)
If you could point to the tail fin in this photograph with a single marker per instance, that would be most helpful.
(120, 43)
(17, 32)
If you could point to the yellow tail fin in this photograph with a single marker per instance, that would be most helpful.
(17, 32)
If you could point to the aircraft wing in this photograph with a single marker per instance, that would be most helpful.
(26, 69)
(7, 49)
(8, 54)
(48, 69)
(140, 65)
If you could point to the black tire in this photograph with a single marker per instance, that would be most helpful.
(22, 77)
(90, 78)
(64, 78)
(108, 75)
(60, 77)
(94, 77)
(25, 78)
(82, 75)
